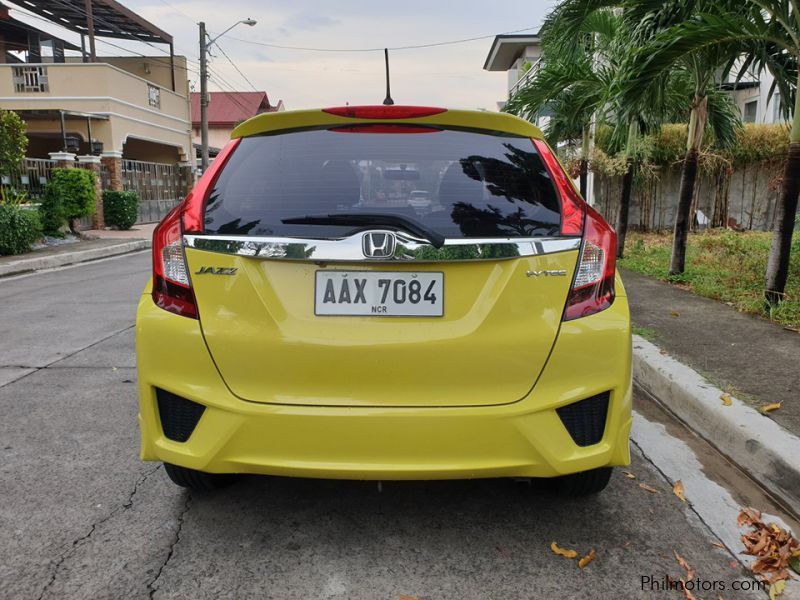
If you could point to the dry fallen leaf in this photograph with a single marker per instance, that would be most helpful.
(726, 399)
(406, 597)
(565, 552)
(677, 489)
(682, 562)
(587, 559)
(776, 589)
(629, 475)
(773, 547)
(675, 313)
(748, 516)
(648, 488)
(686, 593)
(770, 407)
(718, 545)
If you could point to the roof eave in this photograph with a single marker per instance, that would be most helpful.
(497, 62)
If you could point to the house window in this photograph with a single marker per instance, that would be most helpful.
(154, 96)
(30, 79)
(750, 109)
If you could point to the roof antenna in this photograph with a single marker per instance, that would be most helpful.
(388, 100)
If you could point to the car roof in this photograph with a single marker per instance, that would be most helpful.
(395, 114)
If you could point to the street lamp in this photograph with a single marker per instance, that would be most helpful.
(205, 43)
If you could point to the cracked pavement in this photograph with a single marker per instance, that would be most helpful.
(82, 517)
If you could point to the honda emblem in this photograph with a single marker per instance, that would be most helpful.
(378, 244)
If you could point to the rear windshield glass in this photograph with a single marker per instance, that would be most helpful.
(460, 184)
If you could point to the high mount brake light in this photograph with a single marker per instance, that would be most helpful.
(172, 286)
(593, 284)
(387, 128)
(381, 111)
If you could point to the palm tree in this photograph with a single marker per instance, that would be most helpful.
(586, 49)
(764, 35)
(575, 82)
(566, 85)
(708, 108)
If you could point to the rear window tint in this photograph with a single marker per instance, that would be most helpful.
(462, 184)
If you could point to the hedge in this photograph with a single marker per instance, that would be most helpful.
(19, 228)
(754, 144)
(120, 209)
(70, 194)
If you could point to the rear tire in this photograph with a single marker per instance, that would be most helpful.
(584, 483)
(197, 480)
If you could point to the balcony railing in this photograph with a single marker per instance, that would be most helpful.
(526, 77)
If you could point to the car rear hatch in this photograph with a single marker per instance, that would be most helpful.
(319, 281)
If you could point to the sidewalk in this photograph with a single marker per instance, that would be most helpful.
(753, 359)
(137, 232)
(98, 244)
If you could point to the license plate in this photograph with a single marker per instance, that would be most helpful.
(379, 294)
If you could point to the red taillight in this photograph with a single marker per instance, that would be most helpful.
(381, 111)
(172, 286)
(572, 205)
(195, 204)
(593, 284)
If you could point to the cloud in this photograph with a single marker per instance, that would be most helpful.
(309, 22)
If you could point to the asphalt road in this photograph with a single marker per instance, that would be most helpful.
(82, 517)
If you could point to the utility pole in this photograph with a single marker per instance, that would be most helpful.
(205, 43)
(203, 97)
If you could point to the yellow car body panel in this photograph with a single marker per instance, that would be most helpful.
(300, 119)
(497, 331)
(521, 439)
(473, 393)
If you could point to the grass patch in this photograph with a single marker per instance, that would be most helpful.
(645, 332)
(725, 265)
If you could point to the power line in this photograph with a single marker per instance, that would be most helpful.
(233, 64)
(178, 10)
(409, 47)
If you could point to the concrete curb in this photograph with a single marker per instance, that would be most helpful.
(762, 448)
(68, 258)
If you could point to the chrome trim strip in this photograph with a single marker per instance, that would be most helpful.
(408, 248)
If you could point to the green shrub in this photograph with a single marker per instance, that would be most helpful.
(13, 141)
(70, 194)
(19, 228)
(120, 208)
(51, 212)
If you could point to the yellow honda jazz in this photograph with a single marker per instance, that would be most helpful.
(385, 292)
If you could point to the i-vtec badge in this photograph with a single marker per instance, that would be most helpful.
(216, 271)
(378, 244)
(551, 273)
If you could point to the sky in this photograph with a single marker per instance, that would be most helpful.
(450, 75)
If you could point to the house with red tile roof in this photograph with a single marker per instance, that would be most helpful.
(225, 111)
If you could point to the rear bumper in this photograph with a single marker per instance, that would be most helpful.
(522, 439)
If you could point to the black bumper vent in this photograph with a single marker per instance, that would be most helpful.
(179, 416)
(585, 420)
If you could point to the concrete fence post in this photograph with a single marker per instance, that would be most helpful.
(64, 160)
(113, 163)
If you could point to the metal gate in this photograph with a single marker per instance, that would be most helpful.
(31, 177)
(159, 186)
